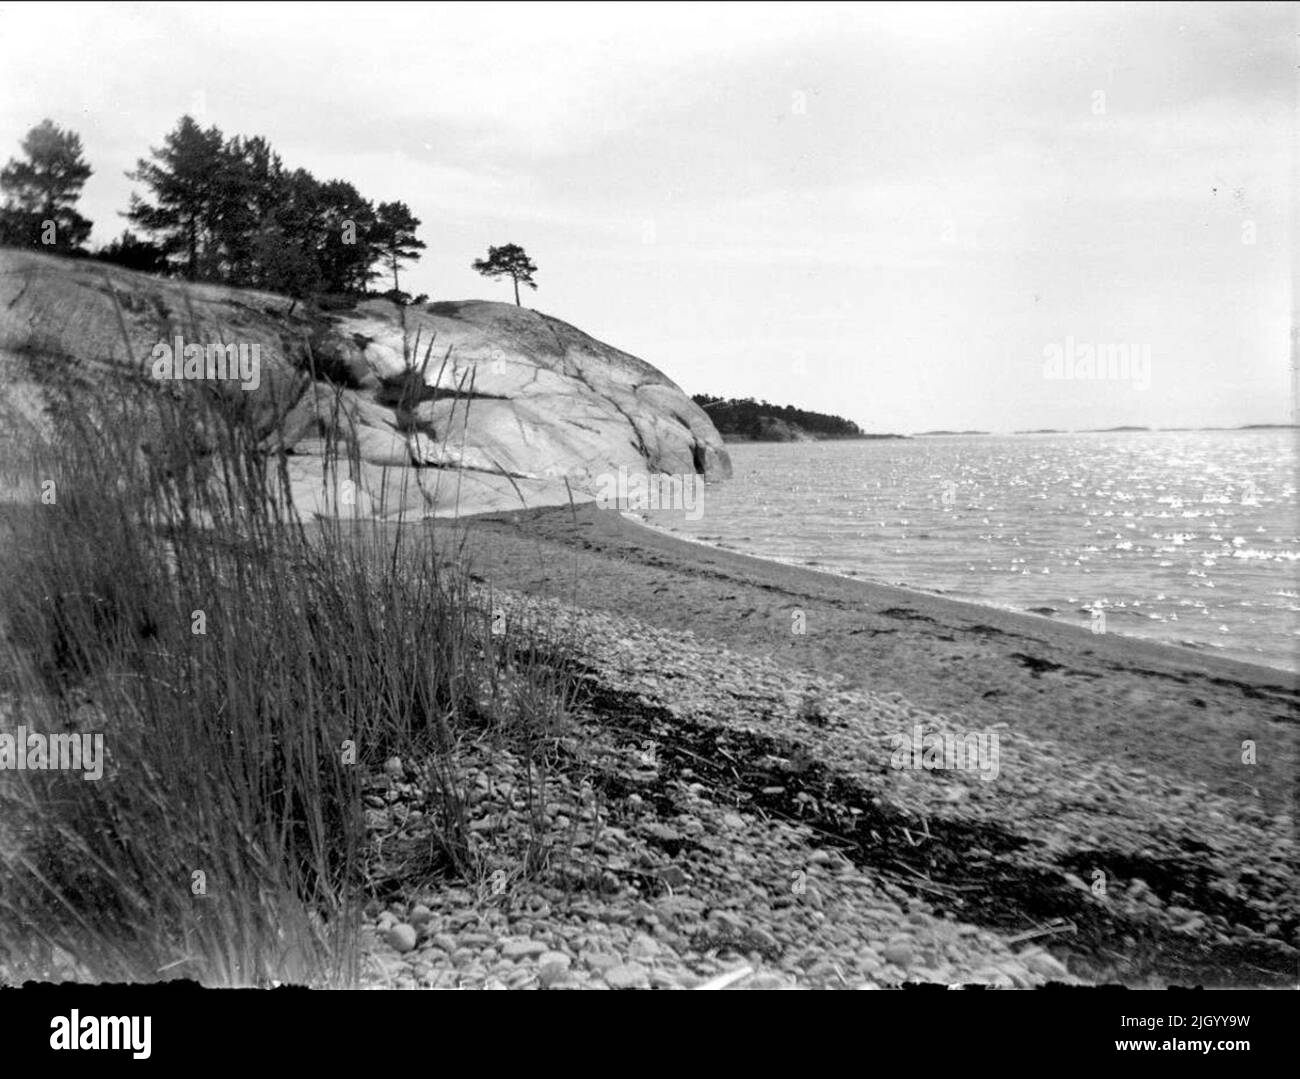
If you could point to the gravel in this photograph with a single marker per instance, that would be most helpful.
(705, 825)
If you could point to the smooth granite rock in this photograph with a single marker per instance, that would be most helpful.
(469, 407)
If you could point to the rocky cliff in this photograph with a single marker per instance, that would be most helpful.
(452, 408)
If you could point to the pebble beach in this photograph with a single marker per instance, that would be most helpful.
(728, 806)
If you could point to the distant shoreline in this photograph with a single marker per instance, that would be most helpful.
(1050, 674)
(809, 437)
(806, 436)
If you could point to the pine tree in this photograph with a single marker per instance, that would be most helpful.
(348, 237)
(229, 210)
(510, 260)
(251, 188)
(185, 179)
(42, 190)
(395, 239)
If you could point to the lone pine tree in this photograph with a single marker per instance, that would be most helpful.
(510, 260)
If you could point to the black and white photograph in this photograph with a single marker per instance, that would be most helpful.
(650, 496)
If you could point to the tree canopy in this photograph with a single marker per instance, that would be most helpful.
(229, 210)
(509, 260)
(748, 418)
(394, 234)
(41, 191)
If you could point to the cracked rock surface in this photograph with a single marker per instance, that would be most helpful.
(452, 408)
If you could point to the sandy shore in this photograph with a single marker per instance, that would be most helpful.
(724, 795)
(734, 795)
(1136, 703)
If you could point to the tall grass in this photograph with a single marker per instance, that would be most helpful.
(247, 670)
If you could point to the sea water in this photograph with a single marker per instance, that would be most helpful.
(1186, 537)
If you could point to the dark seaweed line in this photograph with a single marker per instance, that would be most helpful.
(980, 873)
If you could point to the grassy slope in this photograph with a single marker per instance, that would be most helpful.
(245, 679)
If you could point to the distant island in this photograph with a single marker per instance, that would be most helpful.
(747, 420)
(1112, 430)
(1239, 427)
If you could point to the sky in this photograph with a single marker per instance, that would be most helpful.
(916, 216)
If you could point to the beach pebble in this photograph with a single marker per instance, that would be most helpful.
(521, 949)
(663, 979)
(553, 967)
(898, 954)
(401, 937)
(726, 922)
(627, 976)
(598, 962)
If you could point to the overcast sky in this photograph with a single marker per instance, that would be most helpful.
(889, 212)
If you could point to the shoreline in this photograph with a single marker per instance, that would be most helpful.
(725, 790)
(1133, 701)
(1118, 831)
(1245, 671)
(1190, 649)
(914, 590)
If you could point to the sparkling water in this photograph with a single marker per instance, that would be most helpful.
(1187, 537)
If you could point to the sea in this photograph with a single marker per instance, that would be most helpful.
(1186, 537)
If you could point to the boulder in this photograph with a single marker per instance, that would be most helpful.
(448, 408)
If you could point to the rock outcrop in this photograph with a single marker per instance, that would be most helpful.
(452, 408)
